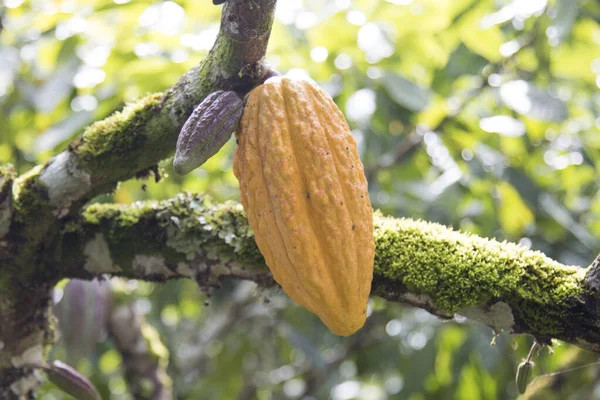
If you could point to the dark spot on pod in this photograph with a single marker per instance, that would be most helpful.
(308, 195)
(353, 226)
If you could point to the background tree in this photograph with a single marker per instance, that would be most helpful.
(479, 115)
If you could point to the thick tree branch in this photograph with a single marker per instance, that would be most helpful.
(499, 284)
(120, 147)
(145, 132)
(502, 285)
(25, 334)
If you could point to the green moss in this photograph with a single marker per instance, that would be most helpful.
(7, 173)
(129, 231)
(459, 271)
(29, 193)
(127, 141)
(124, 215)
(32, 215)
(118, 130)
(188, 224)
(456, 270)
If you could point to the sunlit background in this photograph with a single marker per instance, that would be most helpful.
(482, 115)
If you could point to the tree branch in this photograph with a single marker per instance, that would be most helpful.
(7, 176)
(145, 132)
(145, 358)
(120, 147)
(25, 333)
(502, 285)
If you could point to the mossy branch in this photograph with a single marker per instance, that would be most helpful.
(7, 176)
(502, 285)
(145, 132)
(118, 148)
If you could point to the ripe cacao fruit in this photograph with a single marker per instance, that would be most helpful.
(207, 130)
(304, 190)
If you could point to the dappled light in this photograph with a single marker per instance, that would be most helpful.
(483, 116)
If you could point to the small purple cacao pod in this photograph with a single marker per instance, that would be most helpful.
(207, 130)
(72, 382)
(82, 315)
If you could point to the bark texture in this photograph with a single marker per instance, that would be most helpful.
(502, 285)
(34, 206)
(45, 235)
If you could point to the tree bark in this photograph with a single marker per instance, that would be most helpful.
(45, 235)
(127, 144)
(502, 285)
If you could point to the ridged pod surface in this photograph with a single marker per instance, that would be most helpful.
(304, 190)
(207, 130)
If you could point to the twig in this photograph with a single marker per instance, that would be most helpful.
(144, 357)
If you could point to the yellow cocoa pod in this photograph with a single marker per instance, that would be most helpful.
(304, 189)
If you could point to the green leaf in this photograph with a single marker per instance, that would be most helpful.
(562, 215)
(406, 93)
(514, 215)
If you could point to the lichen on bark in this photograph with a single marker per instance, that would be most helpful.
(419, 263)
(178, 230)
(41, 214)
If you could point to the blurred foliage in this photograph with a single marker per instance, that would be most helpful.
(479, 114)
